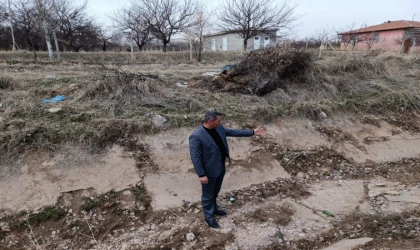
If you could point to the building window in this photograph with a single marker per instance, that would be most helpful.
(257, 38)
(375, 38)
(266, 38)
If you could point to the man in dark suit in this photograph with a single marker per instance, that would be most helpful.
(209, 150)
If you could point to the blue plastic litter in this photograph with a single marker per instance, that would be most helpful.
(58, 98)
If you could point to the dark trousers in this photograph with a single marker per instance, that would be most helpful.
(210, 193)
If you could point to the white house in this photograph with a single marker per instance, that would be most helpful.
(232, 41)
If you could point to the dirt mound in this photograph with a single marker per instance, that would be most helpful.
(291, 70)
(263, 71)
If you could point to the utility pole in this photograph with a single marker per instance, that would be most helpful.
(132, 49)
(191, 53)
(11, 27)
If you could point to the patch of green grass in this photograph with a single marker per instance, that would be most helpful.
(49, 213)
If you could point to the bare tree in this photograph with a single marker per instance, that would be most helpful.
(167, 17)
(28, 26)
(250, 17)
(319, 36)
(11, 26)
(37, 22)
(347, 35)
(105, 36)
(132, 19)
(3, 12)
(370, 39)
(6, 14)
(351, 36)
(201, 23)
(73, 23)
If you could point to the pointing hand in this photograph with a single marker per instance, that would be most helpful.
(259, 131)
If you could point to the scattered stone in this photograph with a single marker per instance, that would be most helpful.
(4, 227)
(226, 230)
(380, 184)
(187, 204)
(322, 115)
(55, 110)
(389, 192)
(190, 237)
(127, 193)
(210, 73)
(182, 85)
(159, 120)
(348, 244)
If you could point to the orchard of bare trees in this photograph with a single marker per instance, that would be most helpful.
(42, 24)
(63, 25)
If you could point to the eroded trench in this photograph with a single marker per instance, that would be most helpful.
(292, 187)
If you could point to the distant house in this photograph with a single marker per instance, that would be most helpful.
(232, 41)
(392, 35)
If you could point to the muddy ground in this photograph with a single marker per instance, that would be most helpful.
(109, 167)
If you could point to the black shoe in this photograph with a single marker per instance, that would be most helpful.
(213, 223)
(220, 212)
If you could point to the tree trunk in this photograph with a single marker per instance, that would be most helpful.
(33, 50)
(164, 46)
(57, 49)
(48, 40)
(200, 45)
(11, 29)
(245, 44)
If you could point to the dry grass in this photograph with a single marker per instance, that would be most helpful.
(108, 102)
(125, 88)
(169, 58)
(352, 84)
(94, 134)
(8, 83)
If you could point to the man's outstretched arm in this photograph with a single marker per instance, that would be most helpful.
(243, 133)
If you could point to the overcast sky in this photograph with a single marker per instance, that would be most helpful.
(315, 14)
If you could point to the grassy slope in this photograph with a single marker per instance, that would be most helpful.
(105, 105)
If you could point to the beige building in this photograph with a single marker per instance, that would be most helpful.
(232, 41)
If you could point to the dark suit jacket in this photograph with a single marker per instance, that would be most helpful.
(205, 155)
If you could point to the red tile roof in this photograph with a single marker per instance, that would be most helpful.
(390, 25)
(234, 32)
